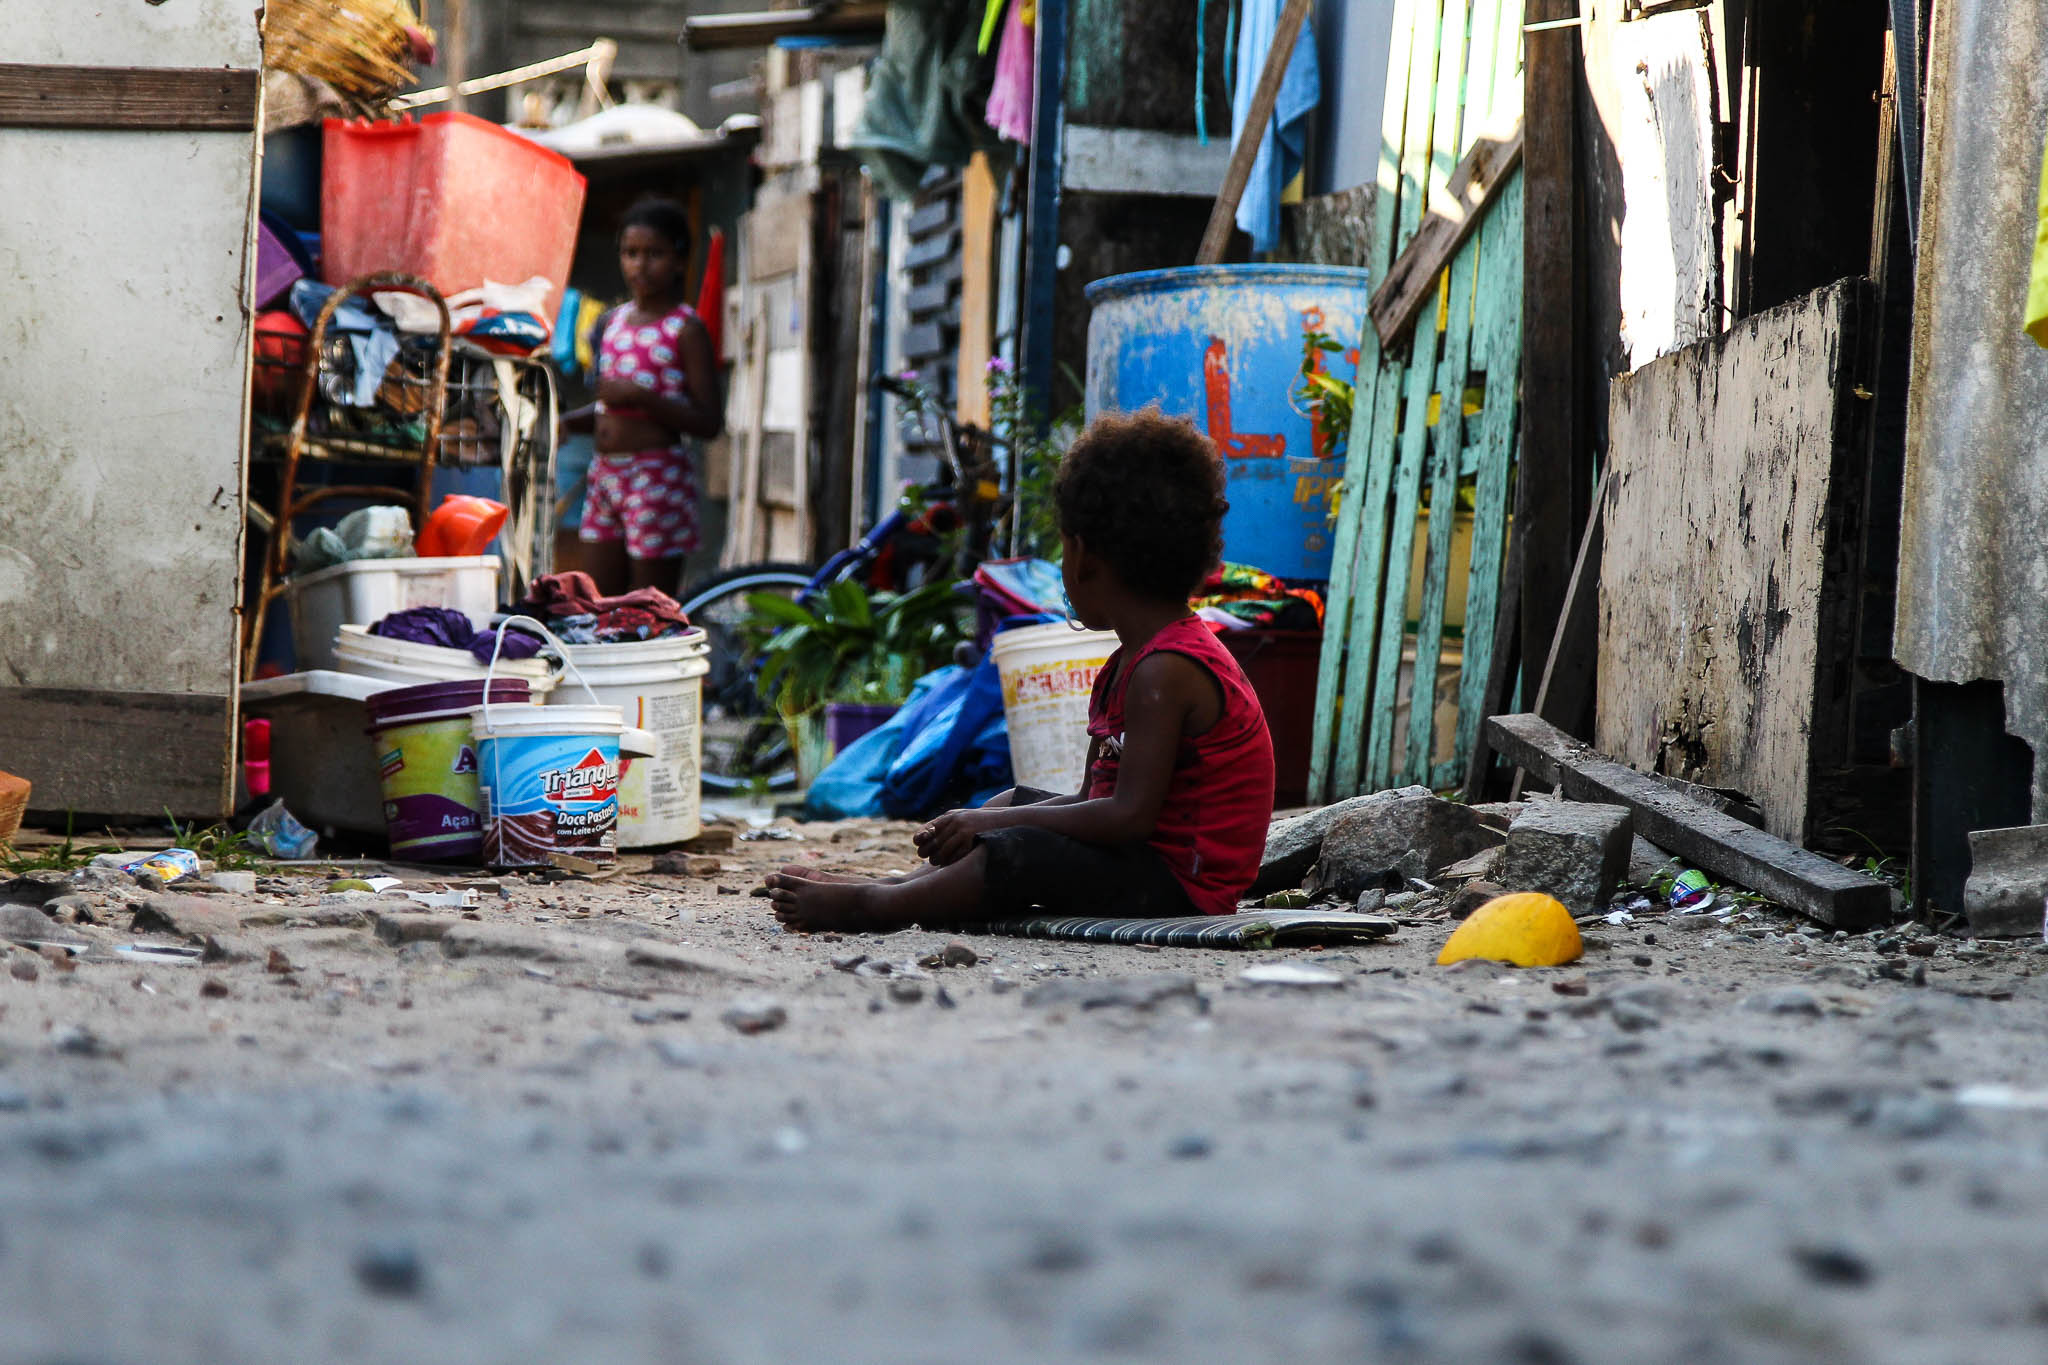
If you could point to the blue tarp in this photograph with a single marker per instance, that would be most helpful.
(947, 747)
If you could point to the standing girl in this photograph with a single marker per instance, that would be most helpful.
(657, 388)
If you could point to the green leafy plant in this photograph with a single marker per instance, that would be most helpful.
(1322, 397)
(1038, 447)
(217, 844)
(59, 858)
(849, 646)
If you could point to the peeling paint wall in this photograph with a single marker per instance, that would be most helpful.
(1715, 596)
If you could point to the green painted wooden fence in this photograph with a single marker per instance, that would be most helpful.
(1453, 75)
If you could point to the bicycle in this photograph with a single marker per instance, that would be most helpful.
(746, 744)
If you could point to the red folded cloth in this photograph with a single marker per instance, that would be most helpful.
(575, 594)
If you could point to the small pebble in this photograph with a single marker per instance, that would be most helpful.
(391, 1269)
(1189, 1146)
(846, 962)
(757, 1014)
(214, 989)
(959, 955)
(905, 991)
(1001, 985)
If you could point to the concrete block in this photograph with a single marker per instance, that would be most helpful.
(2007, 893)
(1575, 852)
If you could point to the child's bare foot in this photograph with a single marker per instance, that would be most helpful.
(811, 905)
(805, 872)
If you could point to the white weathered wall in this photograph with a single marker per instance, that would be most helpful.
(123, 264)
(1650, 159)
(1712, 577)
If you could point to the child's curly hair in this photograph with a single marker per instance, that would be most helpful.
(1145, 492)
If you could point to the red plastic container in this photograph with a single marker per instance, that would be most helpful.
(450, 198)
(1281, 667)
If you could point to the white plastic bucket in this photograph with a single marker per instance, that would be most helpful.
(404, 663)
(658, 685)
(363, 592)
(1048, 674)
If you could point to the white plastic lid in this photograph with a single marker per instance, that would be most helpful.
(512, 722)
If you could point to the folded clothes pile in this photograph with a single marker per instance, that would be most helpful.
(451, 629)
(573, 608)
(1239, 597)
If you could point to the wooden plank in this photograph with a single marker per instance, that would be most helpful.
(980, 240)
(1447, 440)
(1260, 113)
(1401, 191)
(931, 250)
(1419, 381)
(1450, 222)
(773, 231)
(1491, 593)
(111, 98)
(1549, 504)
(1503, 665)
(1716, 842)
(121, 753)
(1728, 576)
(1347, 560)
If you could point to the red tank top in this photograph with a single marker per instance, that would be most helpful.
(1212, 829)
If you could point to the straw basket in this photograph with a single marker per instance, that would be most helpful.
(13, 803)
(357, 46)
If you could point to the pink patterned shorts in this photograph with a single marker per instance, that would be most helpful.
(648, 500)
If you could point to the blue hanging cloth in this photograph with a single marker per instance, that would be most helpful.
(1286, 137)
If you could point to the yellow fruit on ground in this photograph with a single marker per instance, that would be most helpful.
(1528, 929)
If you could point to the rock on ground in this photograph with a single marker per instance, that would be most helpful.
(1409, 834)
(1292, 846)
(1573, 851)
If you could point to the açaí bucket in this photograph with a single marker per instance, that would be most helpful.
(549, 775)
(427, 763)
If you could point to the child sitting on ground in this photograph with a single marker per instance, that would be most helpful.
(1172, 815)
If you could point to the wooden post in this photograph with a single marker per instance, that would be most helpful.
(455, 51)
(1253, 133)
(1551, 493)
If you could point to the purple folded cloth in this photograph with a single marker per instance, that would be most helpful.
(450, 629)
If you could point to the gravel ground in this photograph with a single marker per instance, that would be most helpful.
(546, 1136)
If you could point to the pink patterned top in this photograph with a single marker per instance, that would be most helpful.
(648, 354)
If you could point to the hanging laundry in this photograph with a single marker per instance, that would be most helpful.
(1013, 98)
(1282, 143)
(925, 97)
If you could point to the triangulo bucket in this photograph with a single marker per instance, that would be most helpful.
(427, 763)
(549, 775)
(1048, 675)
(658, 686)
(1224, 346)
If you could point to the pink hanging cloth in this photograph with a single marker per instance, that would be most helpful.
(1010, 99)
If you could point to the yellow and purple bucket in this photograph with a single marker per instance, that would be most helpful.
(427, 761)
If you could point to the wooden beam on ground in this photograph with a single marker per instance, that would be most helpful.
(145, 99)
(1716, 842)
(1264, 98)
(1412, 282)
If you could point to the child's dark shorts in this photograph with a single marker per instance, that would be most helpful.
(1038, 869)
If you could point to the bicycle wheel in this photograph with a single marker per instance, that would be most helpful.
(745, 744)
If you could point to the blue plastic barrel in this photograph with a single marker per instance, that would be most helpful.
(1223, 345)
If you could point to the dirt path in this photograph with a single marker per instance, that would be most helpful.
(538, 1138)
